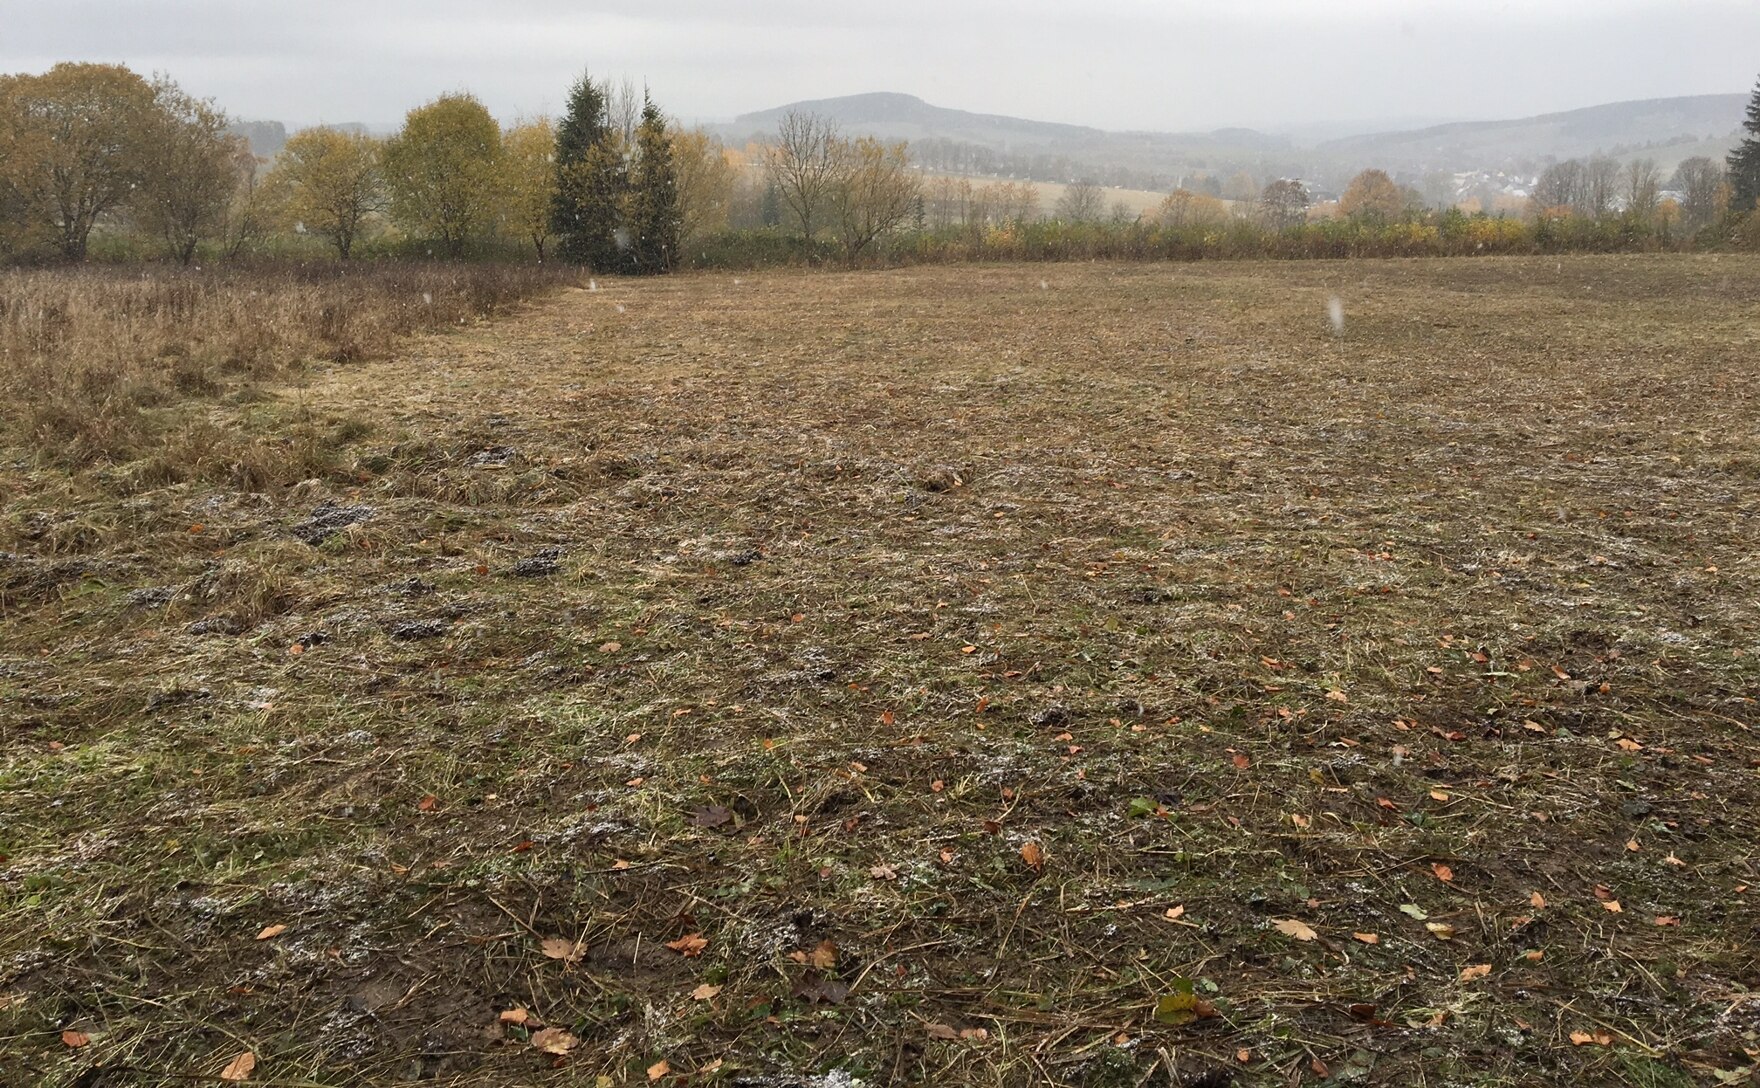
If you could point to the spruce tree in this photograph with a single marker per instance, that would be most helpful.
(1744, 161)
(654, 221)
(589, 181)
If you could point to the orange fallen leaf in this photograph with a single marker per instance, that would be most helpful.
(427, 803)
(662, 1067)
(704, 992)
(691, 944)
(883, 872)
(1584, 1038)
(1303, 822)
(1243, 1055)
(73, 1040)
(610, 647)
(271, 931)
(824, 956)
(1538, 901)
(1612, 905)
(1034, 855)
(1443, 872)
(1174, 914)
(1475, 971)
(1368, 938)
(240, 1067)
(517, 1015)
(941, 1031)
(1667, 920)
(1241, 761)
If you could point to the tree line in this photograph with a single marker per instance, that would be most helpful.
(614, 186)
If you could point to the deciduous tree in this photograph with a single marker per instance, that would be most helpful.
(528, 181)
(1372, 197)
(706, 179)
(875, 191)
(442, 170)
(79, 131)
(189, 171)
(803, 166)
(328, 183)
(1081, 202)
(1284, 203)
(1698, 180)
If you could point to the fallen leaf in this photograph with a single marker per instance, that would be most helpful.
(1174, 914)
(1538, 901)
(691, 944)
(1584, 1038)
(1443, 872)
(1667, 920)
(941, 1031)
(704, 992)
(240, 1067)
(516, 1016)
(1338, 696)
(427, 803)
(1243, 1055)
(883, 872)
(1183, 1005)
(561, 948)
(824, 956)
(73, 1040)
(1475, 971)
(1034, 855)
(1441, 930)
(974, 1035)
(1368, 938)
(1319, 1068)
(271, 931)
(1412, 910)
(1438, 795)
(712, 816)
(1290, 927)
(662, 1067)
(1241, 761)
(610, 647)
(1612, 905)
(555, 1040)
(1301, 821)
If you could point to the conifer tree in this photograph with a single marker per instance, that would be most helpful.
(1744, 161)
(590, 181)
(654, 218)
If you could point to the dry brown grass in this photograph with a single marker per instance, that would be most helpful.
(791, 608)
(92, 353)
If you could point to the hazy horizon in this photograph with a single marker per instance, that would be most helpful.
(1115, 64)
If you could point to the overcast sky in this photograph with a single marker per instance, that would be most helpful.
(1146, 64)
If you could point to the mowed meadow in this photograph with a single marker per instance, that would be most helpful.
(1084, 674)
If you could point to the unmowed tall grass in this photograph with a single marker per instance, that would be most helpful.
(95, 356)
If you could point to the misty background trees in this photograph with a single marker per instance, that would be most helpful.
(95, 155)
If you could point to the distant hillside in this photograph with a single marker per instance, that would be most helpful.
(907, 117)
(1667, 128)
(958, 141)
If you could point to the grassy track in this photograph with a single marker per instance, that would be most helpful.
(757, 636)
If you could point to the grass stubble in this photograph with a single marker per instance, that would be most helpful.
(753, 635)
